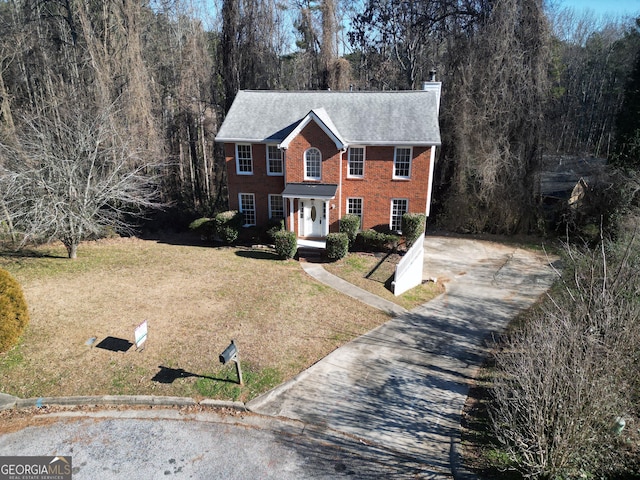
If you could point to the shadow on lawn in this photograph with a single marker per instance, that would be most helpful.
(115, 344)
(29, 253)
(169, 375)
(258, 254)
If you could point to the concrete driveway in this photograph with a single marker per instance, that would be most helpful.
(386, 405)
(402, 386)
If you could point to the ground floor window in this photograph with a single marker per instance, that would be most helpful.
(399, 206)
(354, 207)
(276, 207)
(248, 208)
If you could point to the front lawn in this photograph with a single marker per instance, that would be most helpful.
(195, 299)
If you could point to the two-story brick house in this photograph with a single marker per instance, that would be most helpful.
(312, 157)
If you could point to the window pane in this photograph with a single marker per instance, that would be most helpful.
(274, 160)
(356, 162)
(248, 208)
(402, 163)
(313, 164)
(276, 207)
(398, 208)
(245, 163)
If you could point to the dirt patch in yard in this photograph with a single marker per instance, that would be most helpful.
(195, 299)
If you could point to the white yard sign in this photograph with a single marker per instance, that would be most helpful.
(141, 334)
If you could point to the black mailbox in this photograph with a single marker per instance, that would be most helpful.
(230, 353)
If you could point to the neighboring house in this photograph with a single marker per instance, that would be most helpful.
(312, 157)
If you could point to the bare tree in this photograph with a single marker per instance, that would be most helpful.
(73, 174)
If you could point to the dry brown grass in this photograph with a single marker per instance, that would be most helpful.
(196, 299)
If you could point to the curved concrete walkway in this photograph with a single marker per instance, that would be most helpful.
(402, 386)
(386, 405)
(316, 271)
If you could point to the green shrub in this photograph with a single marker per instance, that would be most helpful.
(14, 314)
(413, 225)
(350, 224)
(273, 227)
(285, 243)
(228, 224)
(204, 227)
(372, 241)
(337, 245)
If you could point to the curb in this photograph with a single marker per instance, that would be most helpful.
(8, 401)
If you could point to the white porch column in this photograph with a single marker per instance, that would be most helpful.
(292, 220)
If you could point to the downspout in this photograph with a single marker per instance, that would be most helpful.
(431, 168)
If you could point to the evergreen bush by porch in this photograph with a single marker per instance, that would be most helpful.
(350, 224)
(337, 245)
(228, 224)
(285, 243)
(413, 225)
(14, 314)
(372, 241)
(273, 227)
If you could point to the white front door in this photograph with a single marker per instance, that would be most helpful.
(313, 212)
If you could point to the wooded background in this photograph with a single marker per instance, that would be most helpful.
(520, 79)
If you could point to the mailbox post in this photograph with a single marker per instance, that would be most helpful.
(231, 354)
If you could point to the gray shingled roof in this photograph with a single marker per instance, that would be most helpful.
(366, 118)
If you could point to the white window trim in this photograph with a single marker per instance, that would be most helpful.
(255, 213)
(391, 213)
(364, 158)
(238, 159)
(305, 164)
(395, 154)
(271, 195)
(269, 172)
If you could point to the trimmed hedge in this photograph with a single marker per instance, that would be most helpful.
(350, 224)
(14, 314)
(413, 225)
(228, 224)
(337, 245)
(285, 243)
(273, 227)
(204, 226)
(372, 241)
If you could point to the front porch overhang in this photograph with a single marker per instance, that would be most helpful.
(321, 191)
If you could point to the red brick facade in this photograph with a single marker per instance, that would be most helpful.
(376, 188)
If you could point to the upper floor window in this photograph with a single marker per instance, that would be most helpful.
(244, 160)
(399, 206)
(248, 208)
(356, 162)
(312, 164)
(274, 161)
(402, 162)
